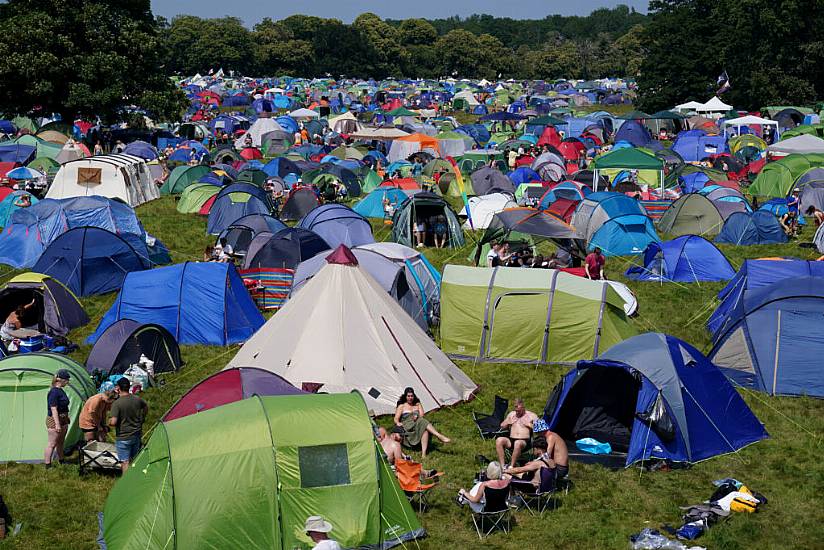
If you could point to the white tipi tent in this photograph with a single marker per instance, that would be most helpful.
(343, 332)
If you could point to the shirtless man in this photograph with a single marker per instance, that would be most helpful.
(519, 423)
(390, 444)
(550, 452)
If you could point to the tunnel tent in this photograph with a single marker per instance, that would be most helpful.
(57, 311)
(653, 397)
(25, 381)
(259, 483)
(123, 177)
(125, 341)
(431, 208)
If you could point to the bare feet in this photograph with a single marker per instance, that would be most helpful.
(445, 440)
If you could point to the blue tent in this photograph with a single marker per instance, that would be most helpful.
(695, 182)
(778, 207)
(371, 206)
(755, 274)
(695, 145)
(338, 224)
(743, 228)
(772, 340)
(17, 153)
(288, 124)
(240, 234)
(687, 259)
(633, 132)
(198, 303)
(11, 204)
(31, 229)
(614, 398)
(236, 201)
(523, 174)
(615, 223)
(90, 260)
(281, 166)
(141, 149)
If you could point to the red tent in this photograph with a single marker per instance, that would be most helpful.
(551, 136)
(207, 206)
(5, 191)
(563, 208)
(251, 153)
(5, 168)
(407, 184)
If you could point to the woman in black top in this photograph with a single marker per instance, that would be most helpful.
(57, 416)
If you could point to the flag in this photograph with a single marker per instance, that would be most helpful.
(723, 82)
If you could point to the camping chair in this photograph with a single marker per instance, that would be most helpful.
(496, 513)
(489, 425)
(409, 477)
(537, 500)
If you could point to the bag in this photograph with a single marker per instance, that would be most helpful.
(593, 446)
(723, 490)
(658, 419)
(740, 504)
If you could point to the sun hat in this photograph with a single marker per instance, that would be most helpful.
(316, 524)
(106, 386)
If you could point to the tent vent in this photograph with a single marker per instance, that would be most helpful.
(373, 393)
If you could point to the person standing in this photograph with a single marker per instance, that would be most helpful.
(128, 415)
(594, 265)
(318, 530)
(57, 417)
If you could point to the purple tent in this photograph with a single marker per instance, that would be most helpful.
(122, 344)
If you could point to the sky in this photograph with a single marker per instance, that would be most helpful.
(252, 11)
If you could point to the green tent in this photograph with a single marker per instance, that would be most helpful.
(25, 380)
(182, 177)
(370, 180)
(195, 196)
(45, 164)
(44, 148)
(528, 315)
(252, 175)
(24, 123)
(248, 474)
(401, 111)
(650, 168)
(692, 214)
(777, 178)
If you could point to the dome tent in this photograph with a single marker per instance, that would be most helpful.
(338, 224)
(25, 381)
(692, 214)
(370, 343)
(228, 386)
(57, 310)
(615, 223)
(425, 206)
(198, 303)
(299, 202)
(612, 398)
(284, 249)
(234, 202)
(240, 234)
(256, 484)
(195, 196)
(744, 229)
(687, 259)
(182, 177)
(122, 344)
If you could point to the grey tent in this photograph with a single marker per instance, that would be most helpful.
(811, 185)
(491, 180)
(692, 214)
(429, 209)
(122, 344)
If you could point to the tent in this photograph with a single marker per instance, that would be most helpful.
(800, 144)
(338, 224)
(392, 276)
(372, 205)
(91, 260)
(484, 208)
(488, 180)
(182, 177)
(650, 169)
(260, 478)
(299, 202)
(198, 303)
(234, 202)
(403, 147)
(56, 310)
(512, 314)
(12, 203)
(370, 344)
(25, 381)
(253, 136)
(123, 177)
(615, 223)
(777, 178)
(284, 249)
(243, 230)
(195, 196)
(427, 207)
(125, 341)
(811, 185)
(687, 259)
(616, 397)
(756, 274)
(693, 213)
(744, 228)
(228, 386)
(769, 338)
(696, 145)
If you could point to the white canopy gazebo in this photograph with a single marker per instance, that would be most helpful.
(748, 120)
(688, 107)
(714, 107)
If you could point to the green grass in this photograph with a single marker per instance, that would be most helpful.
(58, 508)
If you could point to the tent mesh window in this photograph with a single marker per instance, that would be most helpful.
(323, 466)
(89, 176)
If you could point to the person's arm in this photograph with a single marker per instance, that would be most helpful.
(56, 418)
(419, 406)
(586, 269)
(398, 416)
(476, 498)
(528, 467)
(114, 412)
(508, 421)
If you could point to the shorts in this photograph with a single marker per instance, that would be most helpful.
(561, 471)
(528, 442)
(127, 449)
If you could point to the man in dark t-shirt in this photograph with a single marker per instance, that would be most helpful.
(127, 416)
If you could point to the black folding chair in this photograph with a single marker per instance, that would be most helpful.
(489, 425)
(537, 499)
(496, 513)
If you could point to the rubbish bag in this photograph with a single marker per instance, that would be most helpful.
(657, 418)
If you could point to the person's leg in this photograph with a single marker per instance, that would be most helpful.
(424, 443)
(52, 442)
(61, 442)
(501, 444)
(431, 429)
(517, 449)
(89, 436)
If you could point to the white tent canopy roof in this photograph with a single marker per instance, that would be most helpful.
(688, 106)
(304, 114)
(804, 143)
(749, 119)
(714, 105)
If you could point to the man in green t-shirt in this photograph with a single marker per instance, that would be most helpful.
(127, 416)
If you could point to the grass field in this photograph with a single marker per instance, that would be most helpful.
(58, 508)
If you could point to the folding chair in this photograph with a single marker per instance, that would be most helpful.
(496, 513)
(409, 478)
(537, 501)
(489, 425)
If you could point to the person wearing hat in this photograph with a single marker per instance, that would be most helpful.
(318, 530)
(57, 416)
(93, 414)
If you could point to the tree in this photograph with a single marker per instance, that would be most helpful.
(417, 32)
(91, 57)
(198, 45)
(277, 51)
(385, 55)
